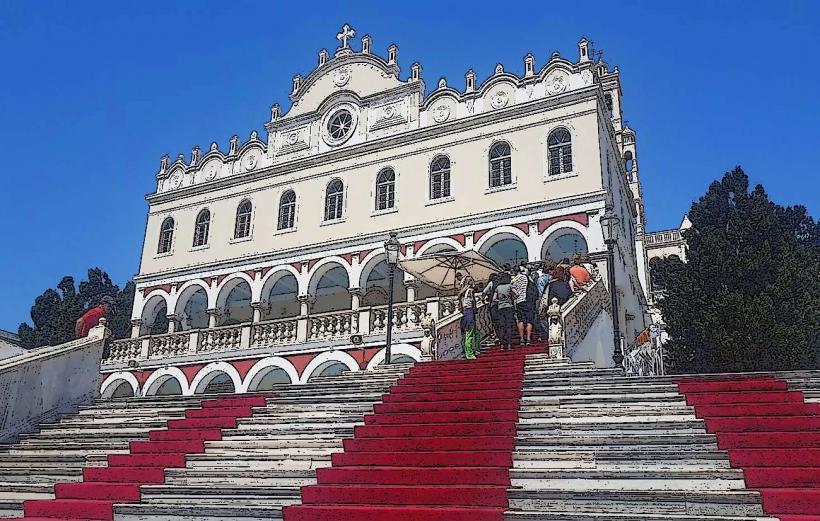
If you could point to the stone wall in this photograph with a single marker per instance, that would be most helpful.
(44, 383)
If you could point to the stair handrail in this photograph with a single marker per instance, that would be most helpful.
(568, 324)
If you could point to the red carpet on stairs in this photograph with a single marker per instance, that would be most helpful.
(120, 481)
(770, 433)
(438, 448)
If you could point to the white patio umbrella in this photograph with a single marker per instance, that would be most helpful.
(439, 269)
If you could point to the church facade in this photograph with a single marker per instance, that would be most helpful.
(260, 261)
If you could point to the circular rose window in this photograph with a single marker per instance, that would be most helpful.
(339, 125)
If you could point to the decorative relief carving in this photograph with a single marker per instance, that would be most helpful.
(586, 77)
(211, 170)
(250, 160)
(388, 115)
(470, 106)
(499, 100)
(341, 76)
(175, 181)
(293, 139)
(441, 113)
(557, 82)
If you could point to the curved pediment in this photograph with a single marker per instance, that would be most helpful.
(361, 74)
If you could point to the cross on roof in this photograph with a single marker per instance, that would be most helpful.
(347, 33)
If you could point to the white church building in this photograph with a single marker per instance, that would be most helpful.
(260, 261)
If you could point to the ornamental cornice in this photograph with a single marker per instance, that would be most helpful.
(380, 144)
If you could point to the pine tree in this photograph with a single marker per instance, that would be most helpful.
(748, 298)
(55, 312)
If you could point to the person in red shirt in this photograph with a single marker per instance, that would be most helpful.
(92, 317)
(579, 274)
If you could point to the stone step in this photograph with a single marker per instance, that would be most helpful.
(187, 511)
(632, 502)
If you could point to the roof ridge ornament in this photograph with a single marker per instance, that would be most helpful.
(347, 33)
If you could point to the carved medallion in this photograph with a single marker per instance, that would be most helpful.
(176, 179)
(586, 77)
(557, 82)
(341, 77)
(499, 100)
(211, 170)
(389, 111)
(293, 137)
(441, 113)
(250, 160)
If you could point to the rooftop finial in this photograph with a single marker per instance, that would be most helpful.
(415, 72)
(275, 112)
(346, 34)
(470, 77)
(195, 155)
(234, 145)
(163, 163)
(322, 57)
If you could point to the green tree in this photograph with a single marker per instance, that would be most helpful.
(748, 297)
(55, 311)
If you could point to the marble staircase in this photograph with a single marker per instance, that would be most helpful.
(589, 444)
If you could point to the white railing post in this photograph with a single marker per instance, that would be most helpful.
(245, 339)
(364, 320)
(144, 348)
(193, 341)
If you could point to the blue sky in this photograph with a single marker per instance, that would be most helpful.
(93, 93)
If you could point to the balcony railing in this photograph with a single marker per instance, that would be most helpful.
(663, 237)
(274, 332)
(333, 326)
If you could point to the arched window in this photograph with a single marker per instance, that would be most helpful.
(287, 210)
(440, 177)
(608, 100)
(560, 151)
(386, 189)
(628, 161)
(201, 228)
(500, 165)
(243, 220)
(334, 200)
(166, 235)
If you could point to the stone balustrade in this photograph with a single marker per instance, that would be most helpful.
(172, 344)
(567, 325)
(333, 326)
(224, 338)
(124, 350)
(274, 332)
(407, 316)
(339, 324)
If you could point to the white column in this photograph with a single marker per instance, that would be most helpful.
(213, 313)
(355, 298)
(257, 311)
(136, 325)
(410, 286)
(172, 322)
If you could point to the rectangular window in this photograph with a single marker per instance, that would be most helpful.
(386, 196)
(243, 226)
(500, 172)
(286, 217)
(333, 207)
(566, 159)
(555, 162)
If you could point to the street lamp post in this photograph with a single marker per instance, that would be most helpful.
(391, 249)
(609, 225)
